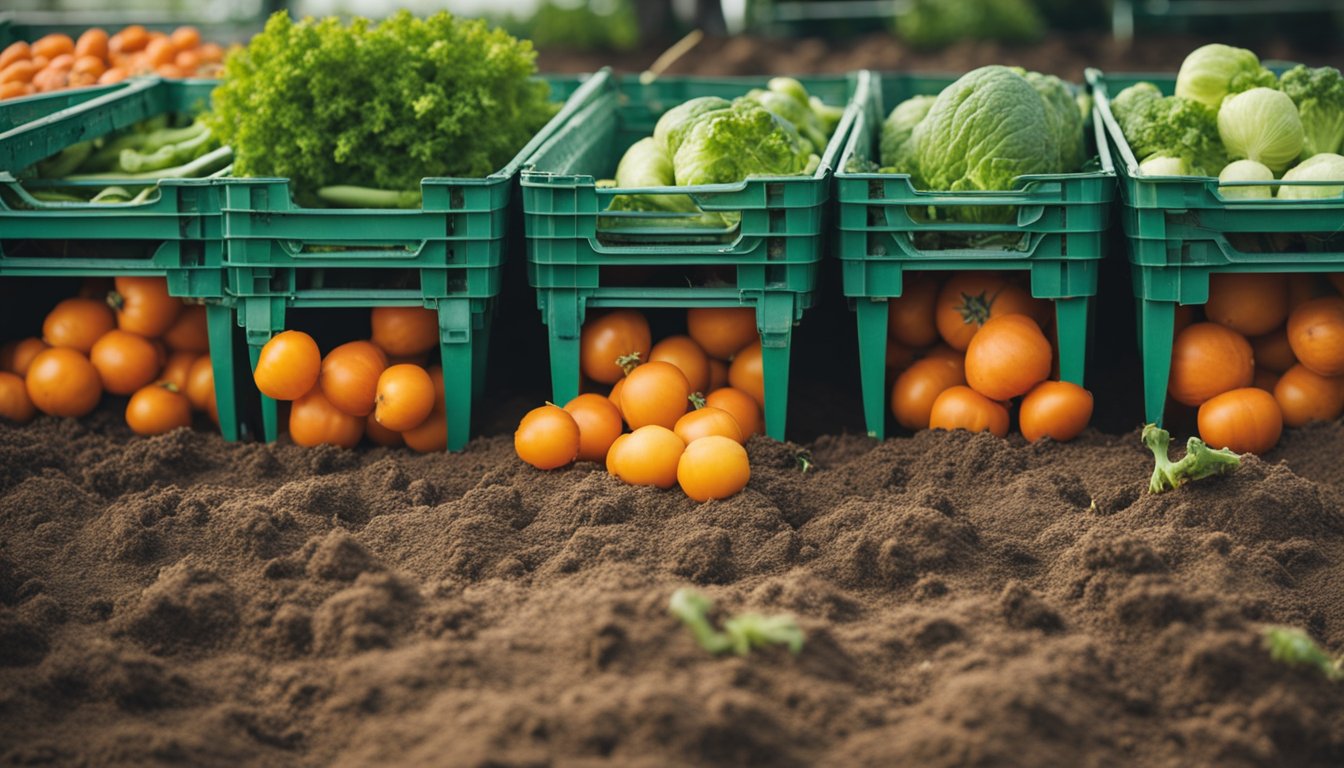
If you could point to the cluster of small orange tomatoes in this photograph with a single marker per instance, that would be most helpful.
(691, 402)
(963, 347)
(125, 338)
(1268, 353)
(58, 61)
(378, 388)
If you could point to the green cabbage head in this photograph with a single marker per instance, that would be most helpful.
(796, 112)
(1326, 166)
(1319, 96)
(895, 147)
(674, 123)
(1214, 71)
(1063, 116)
(729, 145)
(645, 164)
(1261, 124)
(1161, 165)
(1245, 170)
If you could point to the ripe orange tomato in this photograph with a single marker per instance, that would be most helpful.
(703, 422)
(380, 435)
(1265, 379)
(53, 45)
(1273, 352)
(599, 425)
(969, 299)
(721, 331)
(16, 356)
(547, 437)
(1304, 396)
(200, 388)
(15, 404)
(713, 467)
(156, 409)
(405, 397)
(1007, 357)
(143, 305)
(747, 373)
(177, 371)
(62, 382)
(613, 452)
(649, 456)
(189, 333)
(686, 355)
(1316, 334)
(655, 393)
(1247, 420)
(313, 420)
(77, 324)
(615, 394)
(125, 361)
(718, 374)
(405, 331)
(917, 387)
(1056, 409)
(288, 366)
(910, 318)
(742, 407)
(615, 336)
(93, 42)
(1208, 359)
(1250, 304)
(349, 376)
(961, 407)
(430, 435)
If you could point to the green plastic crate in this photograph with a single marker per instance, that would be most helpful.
(1180, 230)
(280, 255)
(885, 230)
(772, 253)
(16, 112)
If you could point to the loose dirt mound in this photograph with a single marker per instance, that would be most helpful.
(967, 600)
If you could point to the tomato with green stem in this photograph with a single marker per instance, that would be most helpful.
(611, 344)
(969, 299)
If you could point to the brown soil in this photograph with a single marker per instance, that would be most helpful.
(967, 601)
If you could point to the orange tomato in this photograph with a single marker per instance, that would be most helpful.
(92, 43)
(721, 331)
(718, 374)
(1247, 420)
(13, 90)
(1305, 396)
(62, 382)
(655, 393)
(87, 70)
(547, 437)
(51, 78)
(380, 435)
(15, 405)
(404, 398)
(615, 394)
(431, 435)
(349, 376)
(21, 71)
(1208, 359)
(189, 333)
(916, 389)
(1059, 410)
(1273, 352)
(1265, 379)
(1316, 334)
(713, 467)
(143, 305)
(185, 37)
(405, 331)
(1250, 304)
(910, 318)
(969, 299)
(77, 324)
(313, 420)
(747, 372)
(608, 341)
(18, 51)
(129, 40)
(125, 361)
(288, 366)
(113, 75)
(187, 61)
(599, 425)
(961, 407)
(200, 389)
(703, 422)
(177, 371)
(16, 356)
(742, 407)
(171, 70)
(648, 456)
(211, 53)
(686, 355)
(156, 409)
(1007, 357)
(63, 61)
(53, 45)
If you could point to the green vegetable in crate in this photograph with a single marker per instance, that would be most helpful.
(895, 147)
(378, 105)
(1161, 165)
(1245, 170)
(1064, 117)
(1169, 126)
(1261, 125)
(788, 98)
(1214, 71)
(1319, 96)
(729, 145)
(645, 164)
(1322, 167)
(675, 122)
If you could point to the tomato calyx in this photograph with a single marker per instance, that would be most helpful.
(170, 386)
(697, 400)
(975, 309)
(628, 362)
(115, 300)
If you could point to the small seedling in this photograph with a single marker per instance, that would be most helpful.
(804, 459)
(1200, 461)
(1295, 647)
(740, 633)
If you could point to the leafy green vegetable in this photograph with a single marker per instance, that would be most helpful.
(1200, 461)
(1292, 646)
(646, 164)
(1063, 118)
(1322, 167)
(671, 128)
(740, 633)
(798, 113)
(729, 145)
(1214, 71)
(1245, 170)
(895, 147)
(1319, 96)
(1170, 126)
(1161, 165)
(937, 23)
(1261, 125)
(379, 105)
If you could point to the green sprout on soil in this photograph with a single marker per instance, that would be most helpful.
(1200, 461)
(805, 463)
(1295, 647)
(740, 633)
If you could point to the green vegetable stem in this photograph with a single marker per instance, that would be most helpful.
(201, 166)
(1200, 461)
(346, 196)
(740, 633)
(1292, 646)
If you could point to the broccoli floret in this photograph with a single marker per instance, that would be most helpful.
(1319, 96)
(1170, 126)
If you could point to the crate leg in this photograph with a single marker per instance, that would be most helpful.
(480, 353)
(1158, 324)
(262, 319)
(564, 324)
(774, 317)
(872, 321)
(219, 324)
(455, 346)
(1071, 327)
